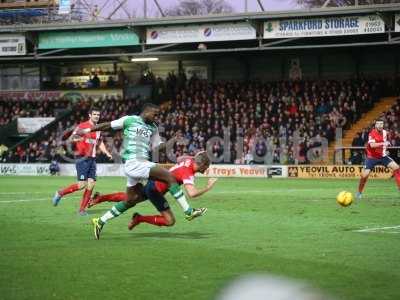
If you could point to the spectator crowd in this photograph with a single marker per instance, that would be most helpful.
(238, 122)
(391, 120)
(11, 109)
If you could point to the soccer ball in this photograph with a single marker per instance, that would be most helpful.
(344, 198)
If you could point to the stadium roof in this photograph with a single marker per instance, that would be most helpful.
(353, 10)
(176, 50)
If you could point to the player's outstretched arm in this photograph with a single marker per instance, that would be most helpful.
(193, 192)
(115, 125)
(75, 138)
(99, 127)
(70, 135)
(67, 133)
(377, 145)
(102, 127)
(104, 150)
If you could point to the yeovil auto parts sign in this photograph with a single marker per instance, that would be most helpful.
(335, 171)
(323, 27)
(87, 39)
(200, 33)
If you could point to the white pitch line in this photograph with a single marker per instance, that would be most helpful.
(377, 229)
(32, 200)
(269, 191)
(22, 193)
(24, 200)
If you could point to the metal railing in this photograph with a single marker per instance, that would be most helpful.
(340, 154)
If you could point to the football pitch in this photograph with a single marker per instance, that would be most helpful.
(285, 227)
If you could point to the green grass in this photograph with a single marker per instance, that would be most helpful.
(292, 228)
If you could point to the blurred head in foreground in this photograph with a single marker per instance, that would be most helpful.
(268, 287)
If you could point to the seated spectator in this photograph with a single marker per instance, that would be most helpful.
(110, 82)
(3, 149)
(95, 81)
(54, 168)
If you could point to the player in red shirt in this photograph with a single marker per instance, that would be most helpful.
(376, 152)
(85, 155)
(154, 191)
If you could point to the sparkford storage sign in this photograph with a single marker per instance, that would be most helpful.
(12, 44)
(339, 171)
(323, 27)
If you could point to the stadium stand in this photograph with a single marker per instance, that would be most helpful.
(11, 109)
(391, 118)
(265, 115)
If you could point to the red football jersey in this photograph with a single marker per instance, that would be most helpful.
(87, 146)
(376, 137)
(183, 173)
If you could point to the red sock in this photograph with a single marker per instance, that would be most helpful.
(397, 177)
(115, 197)
(69, 189)
(155, 220)
(362, 183)
(85, 199)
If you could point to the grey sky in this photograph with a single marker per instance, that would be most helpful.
(136, 6)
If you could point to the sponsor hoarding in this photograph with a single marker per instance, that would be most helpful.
(200, 33)
(31, 125)
(255, 171)
(30, 95)
(335, 171)
(262, 171)
(12, 44)
(24, 169)
(332, 26)
(87, 39)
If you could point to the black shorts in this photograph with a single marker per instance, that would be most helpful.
(155, 197)
(370, 163)
(86, 168)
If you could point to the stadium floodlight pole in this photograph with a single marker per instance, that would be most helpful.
(261, 5)
(88, 7)
(125, 10)
(104, 5)
(326, 3)
(159, 8)
(116, 9)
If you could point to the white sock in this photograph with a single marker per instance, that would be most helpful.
(180, 197)
(183, 203)
(108, 216)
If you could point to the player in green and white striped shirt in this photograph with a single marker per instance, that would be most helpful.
(140, 136)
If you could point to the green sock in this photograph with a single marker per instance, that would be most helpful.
(114, 212)
(176, 191)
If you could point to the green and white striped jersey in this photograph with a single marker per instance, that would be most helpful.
(139, 137)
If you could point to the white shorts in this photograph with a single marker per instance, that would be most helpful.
(137, 171)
